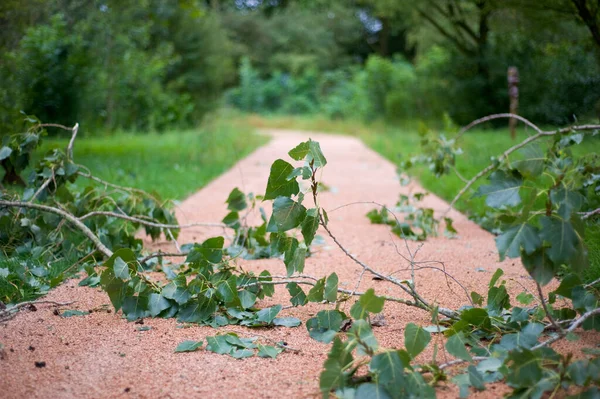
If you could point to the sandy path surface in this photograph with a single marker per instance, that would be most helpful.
(103, 356)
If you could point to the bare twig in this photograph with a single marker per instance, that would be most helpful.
(148, 223)
(589, 285)
(579, 321)
(72, 141)
(587, 215)
(497, 116)
(545, 306)
(172, 237)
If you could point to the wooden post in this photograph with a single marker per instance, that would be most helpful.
(513, 95)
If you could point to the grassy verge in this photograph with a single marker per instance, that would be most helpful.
(172, 165)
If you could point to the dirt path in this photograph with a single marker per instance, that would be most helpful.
(103, 356)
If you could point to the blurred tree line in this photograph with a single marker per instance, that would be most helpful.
(153, 64)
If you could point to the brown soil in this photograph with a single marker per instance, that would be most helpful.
(103, 356)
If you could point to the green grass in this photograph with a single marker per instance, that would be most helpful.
(172, 164)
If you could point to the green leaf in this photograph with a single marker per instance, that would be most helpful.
(267, 315)
(476, 298)
(310, 224)
(210, 250)
(525, 298)
(522, 236)
(278, 183)
(497, 274)
(539, 266)
(295, 256)
(415, 339)
(235, 340)
(567, 284)
(297, 296)
(389, 368)
(498, 300)
(157, 303)
(303, 171)
(526, 338)
(197, 310)
(532, 161)
(325, 325)
(372, 391)
(242, 353)
(228, 290)
(267, 289)
(475, 378)
(524, 368)
(188, 346)
(5, 152)
(503, 190)
(361, 334)
(456, 347)
(177, 290)
(121, 269)
(333, 375)
(268, 351)
(287, 214)
(300, 151)
(247, 299)
(562, 238)
(286, 322)
(570, 201)
(135, 307)
(232, 220)
(219, 344)
(315, 154)
(316, 292)
(477, 317)
(236, 200)
(331, 287)
(114, 287)
(368, 302)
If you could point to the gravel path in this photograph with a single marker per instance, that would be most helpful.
(103, 356)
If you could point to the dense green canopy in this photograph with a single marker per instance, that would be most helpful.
(150, 64)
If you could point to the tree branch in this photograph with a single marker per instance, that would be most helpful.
(68, 216)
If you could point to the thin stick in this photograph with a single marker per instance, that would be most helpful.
(148, 223)
(586, 215)
(497, 116)
(548, 315)
(72, 141)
